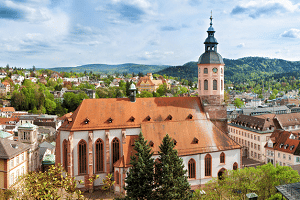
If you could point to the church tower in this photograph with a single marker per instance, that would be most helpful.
(211, 71)
(211, 81)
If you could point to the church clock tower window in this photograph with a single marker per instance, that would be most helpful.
(215, 85)
(205, 84)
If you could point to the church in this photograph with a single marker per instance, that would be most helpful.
(99, 137)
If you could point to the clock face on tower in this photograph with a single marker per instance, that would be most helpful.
(215, 70)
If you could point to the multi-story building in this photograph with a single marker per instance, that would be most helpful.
(13, 161)
(252, 132)
(28, 133)
(147, 83)
(283, 148)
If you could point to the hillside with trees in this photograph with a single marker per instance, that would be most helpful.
(240, 70)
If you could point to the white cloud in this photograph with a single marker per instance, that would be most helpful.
(255, 9)
(241, 45)
(292, 33)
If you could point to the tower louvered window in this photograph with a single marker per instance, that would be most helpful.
(207, 165)
(99, 153)
(82, 157)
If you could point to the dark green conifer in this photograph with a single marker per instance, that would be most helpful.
(170, 176)
(139, 180)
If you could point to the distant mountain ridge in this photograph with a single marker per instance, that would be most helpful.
(109, 69)
(241, 69)
(236, 70)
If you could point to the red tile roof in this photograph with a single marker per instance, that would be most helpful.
(7, 109)
(209, 137)
(93, 114)
(120, 110)
(284, 143)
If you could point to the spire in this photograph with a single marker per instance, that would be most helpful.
(211, 18)
(211, 41)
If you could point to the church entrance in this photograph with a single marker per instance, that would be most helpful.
(220, 173)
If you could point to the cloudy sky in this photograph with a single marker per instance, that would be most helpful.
(58, 33)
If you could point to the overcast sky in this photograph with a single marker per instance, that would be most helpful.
(58, 33)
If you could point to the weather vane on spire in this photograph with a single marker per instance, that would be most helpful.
(211, 18)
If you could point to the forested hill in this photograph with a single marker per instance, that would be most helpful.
(241, 69)
(109, 69)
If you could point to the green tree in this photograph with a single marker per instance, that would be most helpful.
(238, 103)
(162, 89)
(170, 176)
(47, 185)
(146, 94)
(235, 184)
(139, 179)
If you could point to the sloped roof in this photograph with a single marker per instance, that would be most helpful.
(47, 145)
(289, 119)
(4, 134)
(7, 120)
(10, 148)
(260, 122)
(28, 126)
(282, 138)
(7, 109)
(144, 79)
(96, 112)
(210, 138)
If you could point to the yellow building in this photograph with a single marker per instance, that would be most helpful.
(13, 161)
(147, 83)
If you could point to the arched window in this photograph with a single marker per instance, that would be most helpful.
(82, 157)
(235, 166)
(116, 149)
(207, 165)
(215, 85)
(221, 70)
(192, 168)
(65, 154)
(99, 153)
(205, 71)
(205, 84)
(222, 158)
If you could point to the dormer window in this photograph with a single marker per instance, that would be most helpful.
(169, 117)
(132, 119)
(175, 142)
(69, 120)
(148, 118)
(190, 116)
(151, 144)
(110, 120)
(281, 145)
(86, 121)
(292, 147)
(195, 140)
(286, 146)
(292, 136)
